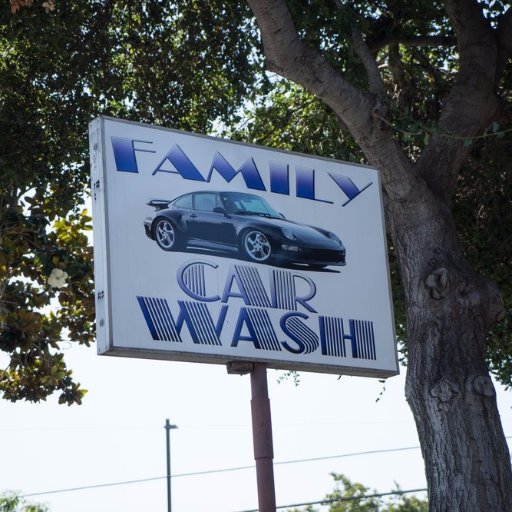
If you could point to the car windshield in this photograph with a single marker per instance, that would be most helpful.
(247, 204)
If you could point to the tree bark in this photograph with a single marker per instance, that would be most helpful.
(450, 308)
(449, 311)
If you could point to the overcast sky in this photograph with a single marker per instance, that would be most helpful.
(118, 435)
(66, 457)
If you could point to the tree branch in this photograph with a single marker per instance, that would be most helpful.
(406, 88)
(376, 46)
(471, 104)
(504, 34)
(101, 21)
(289, 56)
(369, 63)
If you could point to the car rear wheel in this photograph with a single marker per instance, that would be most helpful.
(165, 235)
(256, 246)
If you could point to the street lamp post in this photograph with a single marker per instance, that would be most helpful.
(168, 428)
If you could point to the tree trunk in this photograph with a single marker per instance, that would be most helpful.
(450, 308)
(449, 312)
(454, 405)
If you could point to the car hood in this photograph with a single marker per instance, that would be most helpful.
(301, 231)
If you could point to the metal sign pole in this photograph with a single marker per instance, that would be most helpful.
(168, 428)
(261, 431)
(262, 439)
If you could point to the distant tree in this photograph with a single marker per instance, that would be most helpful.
(12, 502)
(351, 496)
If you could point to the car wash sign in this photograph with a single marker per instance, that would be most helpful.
(214, 251)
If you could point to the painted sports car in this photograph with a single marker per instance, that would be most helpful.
(244, 225)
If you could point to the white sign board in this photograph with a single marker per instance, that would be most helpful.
(214, 251)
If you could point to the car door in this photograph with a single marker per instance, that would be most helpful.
(207, 224)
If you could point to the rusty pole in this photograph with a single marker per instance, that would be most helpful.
(262, 439)
(168, 428)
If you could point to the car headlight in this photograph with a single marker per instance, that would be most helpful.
(288, 234)
(332, 236)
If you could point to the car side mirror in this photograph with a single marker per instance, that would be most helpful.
(219, 209)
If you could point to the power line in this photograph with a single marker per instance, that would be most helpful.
(224, 470)
(220, 470)
(346, 498)
(354, 454)
(94, 486)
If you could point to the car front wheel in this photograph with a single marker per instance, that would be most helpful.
(256, 246)
(165, 235)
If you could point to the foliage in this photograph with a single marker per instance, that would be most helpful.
(197, 66)
(417, 79)
(180, 64)
(13, 503)
(483, 212)
(431, 81)
(290, 118)
(355, 497)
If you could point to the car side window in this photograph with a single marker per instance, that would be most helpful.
(184, 202)
(205, 202)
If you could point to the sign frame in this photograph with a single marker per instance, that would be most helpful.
(128, 162)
